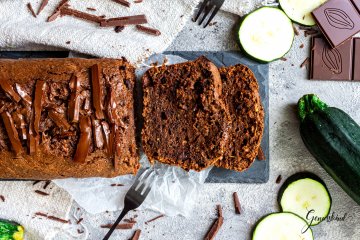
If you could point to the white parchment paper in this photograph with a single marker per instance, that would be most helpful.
(173, 193)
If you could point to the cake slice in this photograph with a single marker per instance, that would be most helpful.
(185, 120)
(241, 96)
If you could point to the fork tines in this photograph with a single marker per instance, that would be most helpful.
(207, 7)
(143, 183)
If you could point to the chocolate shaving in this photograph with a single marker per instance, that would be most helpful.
(91, 9)
(122, 2)
(261, 154)
(74, 102)
(108, 138)
(29, 6)
(278, 179)
(80, 231)
(148, 30)
(58, 219)
(56, 13)
(2, 198)
(40, 214)
(36, 182)
(82, 148)
(12, 133)
(305, 62)
(136, 235)
(97, 91)
(117, 185)
(302, 45)
(80, 220)
(20, 124)
(7, 88)
(296, 31)
(97, 133)
(59, 119)
(67, 42)
(37, 107)
(155, 218)
(283, 59)
(41, 193)
(46, 184)
(237, 203)
(131, 220)
(27, 99)
(111, 105)
(81, 15)
(118, 29)
(214, 229)
(119, 226)
(122, 21)
(42, 6)
(219, 209)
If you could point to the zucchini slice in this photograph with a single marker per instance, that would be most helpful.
(305, 195)
(300, 10)
(282, 226)
(266, 34)
(11, 230)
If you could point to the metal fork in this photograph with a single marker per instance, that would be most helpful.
(207, 6)
(135, 196)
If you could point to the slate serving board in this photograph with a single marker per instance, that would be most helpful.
(259, 171)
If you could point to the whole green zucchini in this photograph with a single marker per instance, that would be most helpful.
(333, 137)
(11, 230)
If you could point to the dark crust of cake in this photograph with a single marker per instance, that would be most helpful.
(185, 121)
(54, 157)
(241, 95)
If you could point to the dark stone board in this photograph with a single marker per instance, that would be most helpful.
(259, 170)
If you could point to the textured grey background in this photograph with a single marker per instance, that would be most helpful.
(288, 82)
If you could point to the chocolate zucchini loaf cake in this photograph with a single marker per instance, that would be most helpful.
(241, 95)
(66, 118)
(185, 120)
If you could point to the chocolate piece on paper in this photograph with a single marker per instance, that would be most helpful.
(330, 63)
(356, 4)
(356, 67)
(339, 20)
(122, 21)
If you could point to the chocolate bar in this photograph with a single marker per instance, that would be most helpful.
(340, 63)
(338, 20)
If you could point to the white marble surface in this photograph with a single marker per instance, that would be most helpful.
(288, 82)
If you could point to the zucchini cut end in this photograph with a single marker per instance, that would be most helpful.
(308, 104)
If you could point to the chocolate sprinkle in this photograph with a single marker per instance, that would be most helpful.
(82, 15)
(42, 6)
(278, 179)
(237, 203)
(41, 193)
(148, 30)
(7, 88)
(56, 13)
(82, 149)
(155, 218)
(2, 198)
(122, 21)
(91, 9)
(122, 2)
(29, 6)
(138, 1)
(51, 217)
(117, 185)
(219, 209)
(12, 133)
(119, 226)
(97, 91)
(46, 184)
(80, 220)
(36, 182)
(136, 235)
(302, 45)
(296, 31)
(118, 29)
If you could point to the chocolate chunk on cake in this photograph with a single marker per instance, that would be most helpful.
(185, 120)
(67, 118)
(241, 95)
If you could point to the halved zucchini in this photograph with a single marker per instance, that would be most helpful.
(266, 34)
(300, 10)
(282, 226)
(306, 195)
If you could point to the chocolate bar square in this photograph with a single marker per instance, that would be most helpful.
(338, 20)
(356, 73)
(329, 63)
(356, 4)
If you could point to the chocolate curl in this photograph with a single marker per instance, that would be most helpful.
(37, 107)
(59, 120)
(7, 88)
(82, 149)
(20, 124)
(27, 99)
(98, 133)
(108, 138)
(33, 140)
(111, 106)
(12, 133)
(75, 101)
(97, 91)
(117, 147)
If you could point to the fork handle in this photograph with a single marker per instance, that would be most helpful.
(122, 215)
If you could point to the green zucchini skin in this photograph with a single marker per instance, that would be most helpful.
(333, 138)
(11, 230)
